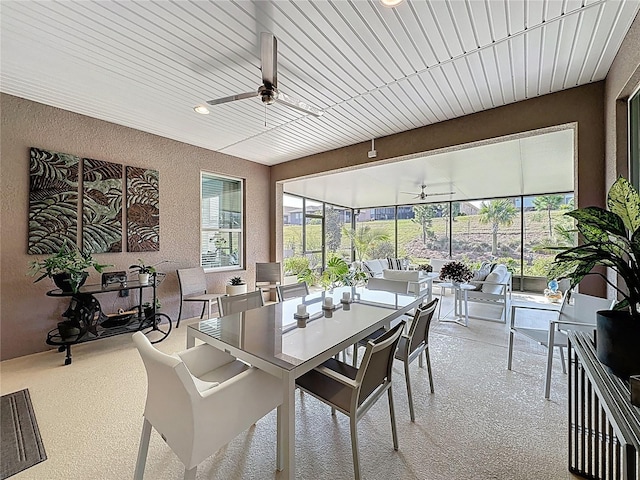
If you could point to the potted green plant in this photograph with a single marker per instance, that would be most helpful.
(68, 268)
(293, 267)
(149, 309)
(610, 238)
(236, 286)
(143, 271)
(456, 272)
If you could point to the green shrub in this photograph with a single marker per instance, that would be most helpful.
(295, 265)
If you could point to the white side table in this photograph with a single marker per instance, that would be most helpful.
(459, 302)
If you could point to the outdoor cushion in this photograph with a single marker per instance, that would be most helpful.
(498, 275)
(375, 267)
(395, 264)
(401, 275)
(481, 274)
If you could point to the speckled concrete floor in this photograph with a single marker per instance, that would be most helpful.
(483, 422)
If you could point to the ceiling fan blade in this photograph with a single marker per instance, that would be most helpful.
(298, 104)
(269, 59)
(240, 96)
(439, 193)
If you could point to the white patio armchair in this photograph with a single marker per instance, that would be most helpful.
(578, 312)
(188, 401)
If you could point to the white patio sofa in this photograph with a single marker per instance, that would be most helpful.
(493, 287)
(376, 267)
(495, 290)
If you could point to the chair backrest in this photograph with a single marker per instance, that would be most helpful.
(170, 388)
(268, 272)
(394, 286)
(437, 264)
(376, 366)
(240, 303)
(192, 281)
(419, 330)
(292, 291)
(582, 308)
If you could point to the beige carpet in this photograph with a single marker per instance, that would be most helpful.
(483, 422)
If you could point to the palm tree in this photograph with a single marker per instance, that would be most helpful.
(548, 203)
(497, 212)
(363, 238)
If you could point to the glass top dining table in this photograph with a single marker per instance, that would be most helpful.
(272, 339)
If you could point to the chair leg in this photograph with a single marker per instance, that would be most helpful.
(510, 349)
(426, 354)
(420, 361)
(179, 314)
(354, 446)
(204, 307)
(190, 474)
(143, 450)
(408, 381)
(564, 368)
(392, 413)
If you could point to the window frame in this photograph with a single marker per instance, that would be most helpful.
(633, 135)
(240, 230)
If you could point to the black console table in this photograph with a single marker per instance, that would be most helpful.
(85, 315)
(604, 427)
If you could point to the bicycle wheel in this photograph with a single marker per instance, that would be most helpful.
(159, 329)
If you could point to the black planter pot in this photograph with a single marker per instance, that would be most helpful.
(68, 330)
(63, 281)
(618, 342)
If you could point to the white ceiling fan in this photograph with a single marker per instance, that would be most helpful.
(268, 91)
(423, 195)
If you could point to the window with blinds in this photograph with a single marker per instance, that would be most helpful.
(221, 214)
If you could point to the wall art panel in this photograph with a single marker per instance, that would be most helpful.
(53, 201)
(101, 206)
(143, 210)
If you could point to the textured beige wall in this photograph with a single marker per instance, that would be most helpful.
(622, 80)
(581, 105)
(26, 314)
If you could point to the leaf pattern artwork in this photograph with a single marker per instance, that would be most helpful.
(102, 206)
(143, 210)
(53, 201)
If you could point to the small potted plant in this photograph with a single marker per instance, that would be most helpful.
(425, 268)
(456, 272)
(236, 286)
(150, 310)
(68, 268)
(143, 270)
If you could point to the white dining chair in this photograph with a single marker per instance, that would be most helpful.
(188, 399)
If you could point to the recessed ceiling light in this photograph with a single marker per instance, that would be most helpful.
(391, 3)
(201, 109)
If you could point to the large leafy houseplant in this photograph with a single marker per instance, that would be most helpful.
(610, 238)
(67, 267)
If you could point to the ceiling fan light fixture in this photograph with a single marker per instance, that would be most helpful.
(390, 3)
(201, 109)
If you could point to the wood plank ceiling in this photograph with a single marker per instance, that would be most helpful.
(374, 70)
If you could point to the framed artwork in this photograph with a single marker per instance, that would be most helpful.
(101, 206)
(143, 210)
(53, 201)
